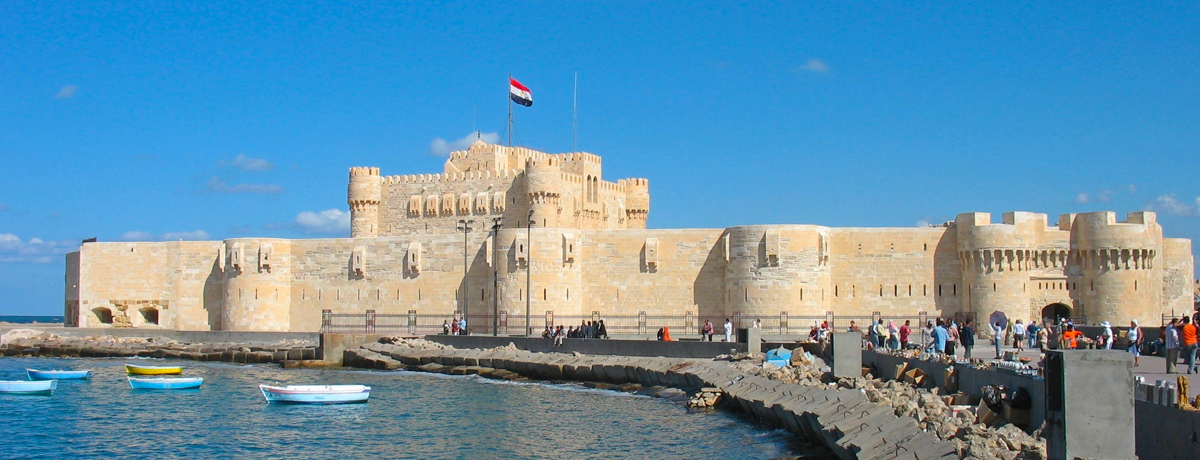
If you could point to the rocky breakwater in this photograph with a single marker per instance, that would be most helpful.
(803, 399)
(31, 343)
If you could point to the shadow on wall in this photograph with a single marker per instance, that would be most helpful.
(214, 295)
(947, 289)
(708, 290)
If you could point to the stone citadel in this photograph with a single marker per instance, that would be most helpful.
(588, 251)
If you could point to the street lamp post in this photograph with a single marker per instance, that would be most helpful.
(464, 226)
(528, 271)
(495, 270)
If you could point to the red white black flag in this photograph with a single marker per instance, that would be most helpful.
(519, 93)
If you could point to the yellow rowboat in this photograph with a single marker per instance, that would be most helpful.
(134, 369)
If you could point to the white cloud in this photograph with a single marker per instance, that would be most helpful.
(922, 223)
(66, 92)
(246, 163)
(1132, 188)
(1170, 205)
(169, 236)
(330, 221)
(136, 236)
(815, 65)
(216, 184)
(1082, 198)
(441, 147)
(35, 250)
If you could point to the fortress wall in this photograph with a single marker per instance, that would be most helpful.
(1178, 268)
(257, 285)
(892, 271)
(199, 291)
(322, 277)
(688, 276)
(777, 268)
(127, 277)
(394, 213)
(557, 282)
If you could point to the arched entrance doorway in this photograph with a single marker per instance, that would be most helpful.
(1055, 312)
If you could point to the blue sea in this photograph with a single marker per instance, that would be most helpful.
(410, 415)
(31, 319)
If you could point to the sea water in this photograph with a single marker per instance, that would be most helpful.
(410, 415)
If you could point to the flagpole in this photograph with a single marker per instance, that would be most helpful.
(510, 119)
(575, 112)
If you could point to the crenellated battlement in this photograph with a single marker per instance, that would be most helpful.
(451, 177)
(364, 171)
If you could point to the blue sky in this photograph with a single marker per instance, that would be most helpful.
(151, 121)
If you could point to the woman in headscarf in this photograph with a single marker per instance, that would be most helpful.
(1135, 341)
(815, 333)
(667, 334)
(894, 335)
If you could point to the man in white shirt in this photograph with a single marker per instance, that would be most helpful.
(728, 330)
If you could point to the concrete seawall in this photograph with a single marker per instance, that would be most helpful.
(204, 346)
(842, 419)
(680, 349)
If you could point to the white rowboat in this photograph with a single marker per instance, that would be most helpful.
(57, 374)
(316, 394)
(28, 387)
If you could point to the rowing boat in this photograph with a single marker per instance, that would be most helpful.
(135, 369)
(165, 383)
(316, 394)
(57, 374)
(28, 387)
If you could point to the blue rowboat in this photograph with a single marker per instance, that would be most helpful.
(165, 383)
(57, 374)
(316, 394)
(28, 387)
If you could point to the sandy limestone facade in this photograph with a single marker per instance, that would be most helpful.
(588, 251)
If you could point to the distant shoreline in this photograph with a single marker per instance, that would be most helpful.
(42, 320)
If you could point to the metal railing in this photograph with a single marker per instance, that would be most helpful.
(681, 326)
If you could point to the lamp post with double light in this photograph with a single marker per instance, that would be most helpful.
(464, 226)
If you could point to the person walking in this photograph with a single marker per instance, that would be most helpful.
(905, 331)
(893, 336)
(1135, 341)
(1031, 332)
(940, 335)
(603, 331)
(728, 330)
(998, 330)
(1106, 335)
(1187, 340)
(951, 337)
(707, 331)
(1171, 341)
(1019, 336)
(967, 336)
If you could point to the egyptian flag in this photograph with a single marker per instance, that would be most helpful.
(519, 93)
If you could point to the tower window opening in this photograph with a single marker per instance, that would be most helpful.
(835, 291)
(954, 289)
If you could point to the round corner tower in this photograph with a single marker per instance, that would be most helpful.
(637, 202)
(996, 259)
(1120, 261)
(363, 195)
(543, 188)
(257, 281)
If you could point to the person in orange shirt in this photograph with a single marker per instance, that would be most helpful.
(1070, 337)
(1187, 338)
